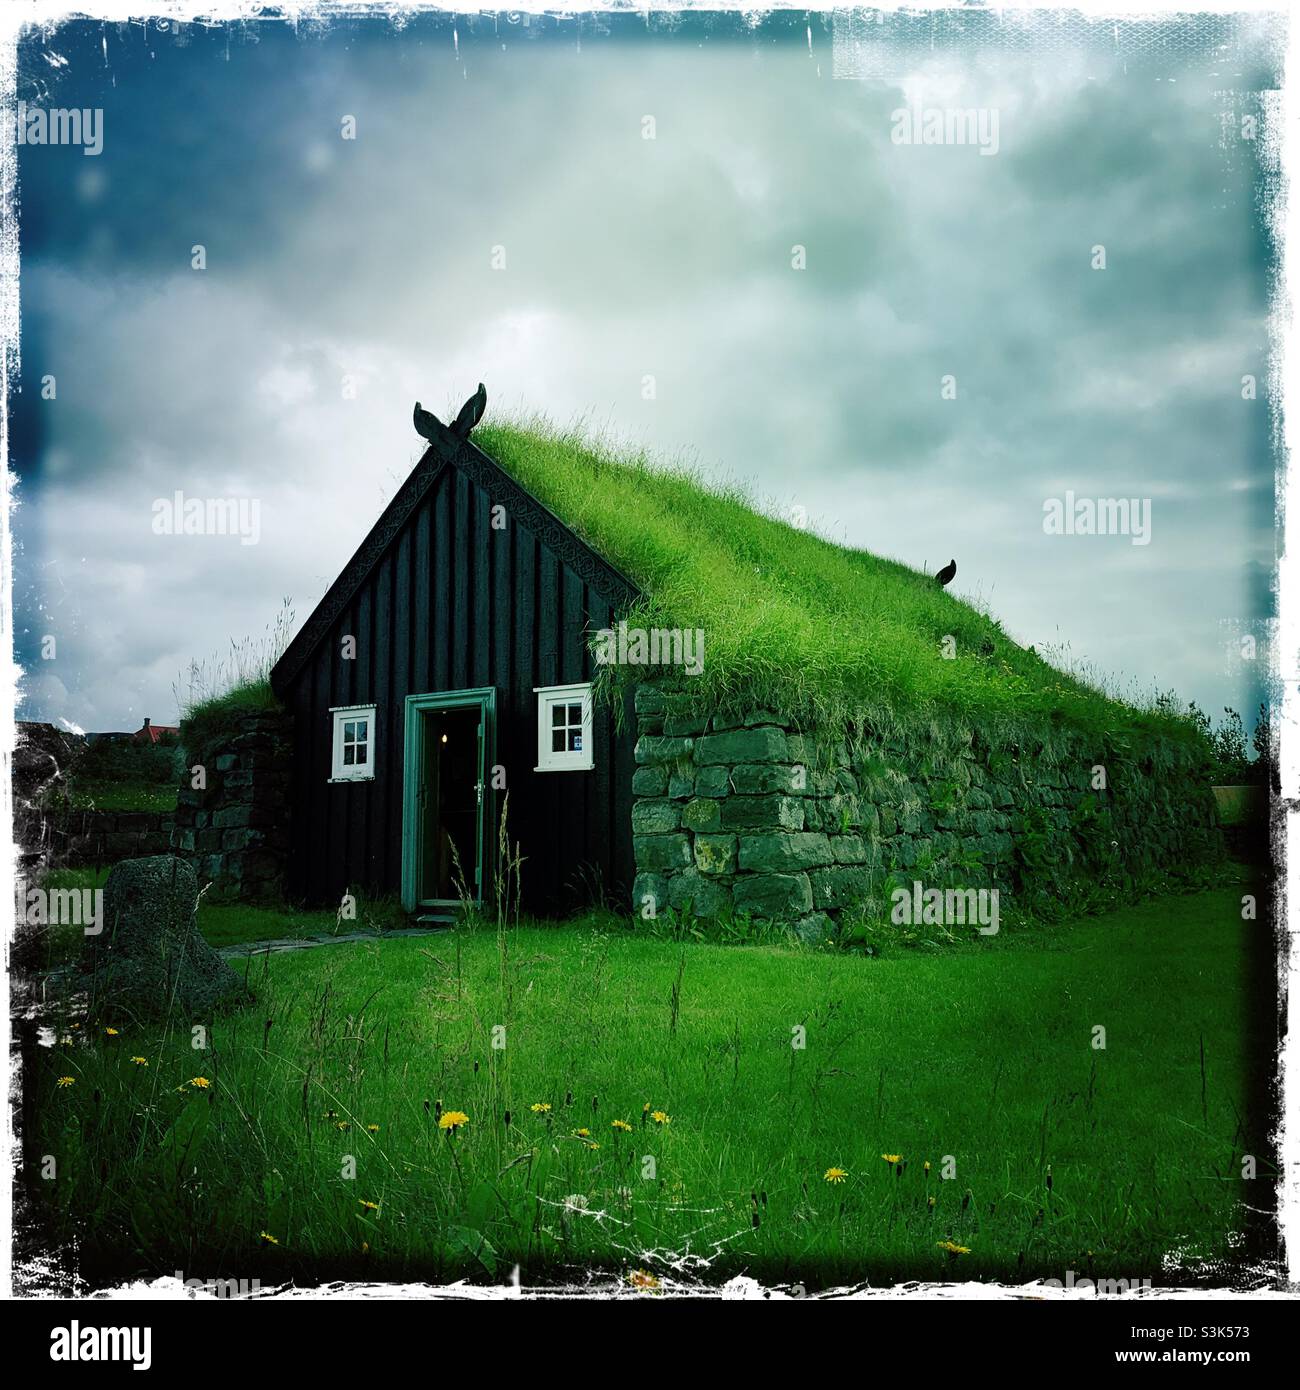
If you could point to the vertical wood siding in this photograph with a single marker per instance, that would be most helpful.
(453, 604)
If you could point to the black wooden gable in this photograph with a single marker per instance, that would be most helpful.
(441, 602)
(521, 506)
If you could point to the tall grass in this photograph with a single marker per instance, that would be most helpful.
(211, 694)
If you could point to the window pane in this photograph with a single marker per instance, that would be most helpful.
(557, 741)
(349, 731)
(575, 740)
(361, 754)
(575, 714)
(361, 730)
(349, 754)
(557, 716)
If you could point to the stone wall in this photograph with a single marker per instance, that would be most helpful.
(748, 814)
(103, 837)
(234, 829)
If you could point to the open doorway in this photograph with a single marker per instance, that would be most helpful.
(443, 843)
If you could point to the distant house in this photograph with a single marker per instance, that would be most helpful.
(150, 732)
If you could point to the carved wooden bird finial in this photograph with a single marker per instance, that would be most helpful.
(470, 413)
(429, 427)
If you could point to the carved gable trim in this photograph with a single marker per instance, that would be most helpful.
(501, 488)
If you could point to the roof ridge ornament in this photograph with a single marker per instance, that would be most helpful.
(429, 427)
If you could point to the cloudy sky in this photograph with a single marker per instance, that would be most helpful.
(344, 278)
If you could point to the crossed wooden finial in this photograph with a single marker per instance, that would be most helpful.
(431, 428)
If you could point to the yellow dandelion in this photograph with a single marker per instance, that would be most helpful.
(892, 1158)
(621, 1125)
(540, 1107)
(372, 1129)
(343, 1124)
(953, 1248)
(591, 1144)
(642, 1279)
(66, 1081)
(110, 1032)
(660, 1118)
(645, 1109)
(140, 1061)
(453, 1119)
(836, 1174)
(369, 1206)
(583, 1133)
(930, 1202)
(200, 1083)
(267, 1238)
(927, 1165)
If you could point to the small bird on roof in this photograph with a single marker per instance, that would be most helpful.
(947, 574)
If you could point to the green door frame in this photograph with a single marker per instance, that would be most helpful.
(485, 699)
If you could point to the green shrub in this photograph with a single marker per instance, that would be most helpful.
(126, 760)
(120, 774)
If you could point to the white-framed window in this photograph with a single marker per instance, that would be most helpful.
(353, 759)
(563, 728)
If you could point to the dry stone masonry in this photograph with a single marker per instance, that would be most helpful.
(104, 837)
(747, 814)
(234, 830)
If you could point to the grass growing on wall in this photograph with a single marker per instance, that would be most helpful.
(214, 695)
(789, 618)
(1067, 1156)
(210, 720)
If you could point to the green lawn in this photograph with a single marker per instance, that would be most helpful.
(983, 1053)
(122, 796)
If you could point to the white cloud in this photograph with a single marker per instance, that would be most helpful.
(371, 261)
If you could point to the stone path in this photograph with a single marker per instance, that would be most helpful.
(302, 943)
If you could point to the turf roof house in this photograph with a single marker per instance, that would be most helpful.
(447, 667)
(853, 728)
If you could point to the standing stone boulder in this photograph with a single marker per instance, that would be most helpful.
(150, 960)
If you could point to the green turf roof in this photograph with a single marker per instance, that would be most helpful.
(789, 619)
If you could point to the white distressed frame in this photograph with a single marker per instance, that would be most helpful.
(1282, 214)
